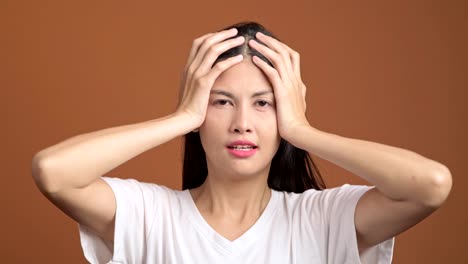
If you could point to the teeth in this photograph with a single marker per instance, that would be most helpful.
(244, 148)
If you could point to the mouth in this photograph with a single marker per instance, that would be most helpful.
(242, 151)
(243, 147)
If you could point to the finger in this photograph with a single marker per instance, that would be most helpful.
(269, 71)
(193, 51)
(271, 55)
(304, 96)
(191, 65)
(304, 88)
(195, 47)
(278, 47)
(207, 43)
(216, 50)
(207, 81)
(296, 61)
(220, 67)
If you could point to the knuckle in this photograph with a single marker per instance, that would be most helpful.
(197, 41)
(190, 70)
(201, 81)
(269, 71)
(285, 56)
(196, 76)
(208, 41)
(296, 55)
(204, 47)
(215, 49)
(221, 65)
(275, 58)
(218, 65)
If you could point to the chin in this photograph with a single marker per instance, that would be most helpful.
(244, 170)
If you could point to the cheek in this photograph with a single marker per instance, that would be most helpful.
(211, 128)
(267, 126)
(267, 119)
(213, 120)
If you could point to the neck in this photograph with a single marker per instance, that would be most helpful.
(237, 200)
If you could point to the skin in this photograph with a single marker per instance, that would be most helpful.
(233, 196)
(236, 191)
(409, 186)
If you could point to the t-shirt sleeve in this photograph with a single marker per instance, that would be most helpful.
(338, 206)
(136, 209)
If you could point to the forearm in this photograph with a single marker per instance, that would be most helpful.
(399, 173)
(78, 161)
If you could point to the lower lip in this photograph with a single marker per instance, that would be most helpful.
(242, 153)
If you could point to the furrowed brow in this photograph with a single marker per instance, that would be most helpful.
(221, 92)
(230, 95)
(261, 93)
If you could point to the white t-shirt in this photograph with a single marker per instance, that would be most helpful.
(156, 224)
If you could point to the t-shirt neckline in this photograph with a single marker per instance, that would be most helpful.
(254, 232)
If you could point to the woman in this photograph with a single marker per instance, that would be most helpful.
(251, 192)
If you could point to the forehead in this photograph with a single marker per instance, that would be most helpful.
(243, 77)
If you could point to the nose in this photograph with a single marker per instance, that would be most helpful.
(241, 122)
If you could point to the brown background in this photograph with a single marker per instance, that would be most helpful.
(394, 73)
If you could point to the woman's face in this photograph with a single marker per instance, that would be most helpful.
(241, 107)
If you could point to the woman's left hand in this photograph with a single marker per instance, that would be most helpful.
(287, 84)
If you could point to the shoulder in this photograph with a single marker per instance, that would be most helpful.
(130, 183)
(339, 192)
(135, 191)
(326, 201)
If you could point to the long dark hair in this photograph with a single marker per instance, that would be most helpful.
(291, 170)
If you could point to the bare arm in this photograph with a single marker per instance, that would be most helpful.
(80, 160)
(69, 173)
(409, 186)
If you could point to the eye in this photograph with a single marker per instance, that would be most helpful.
(221, 102)
(263, 103)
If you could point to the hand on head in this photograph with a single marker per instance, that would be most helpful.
(199, 75)
(285, 78)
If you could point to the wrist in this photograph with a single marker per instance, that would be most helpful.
(300, 136)
(192, 122)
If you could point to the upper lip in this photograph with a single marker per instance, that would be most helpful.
(241, 142)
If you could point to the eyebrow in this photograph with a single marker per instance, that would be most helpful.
(230, 95)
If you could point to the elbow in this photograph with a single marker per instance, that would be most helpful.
(439, 187)
(40, 170)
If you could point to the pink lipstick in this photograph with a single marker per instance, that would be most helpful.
(242, 148)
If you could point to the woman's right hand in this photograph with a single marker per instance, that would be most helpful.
(199, 75)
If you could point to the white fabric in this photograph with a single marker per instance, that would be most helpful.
(155, 224)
